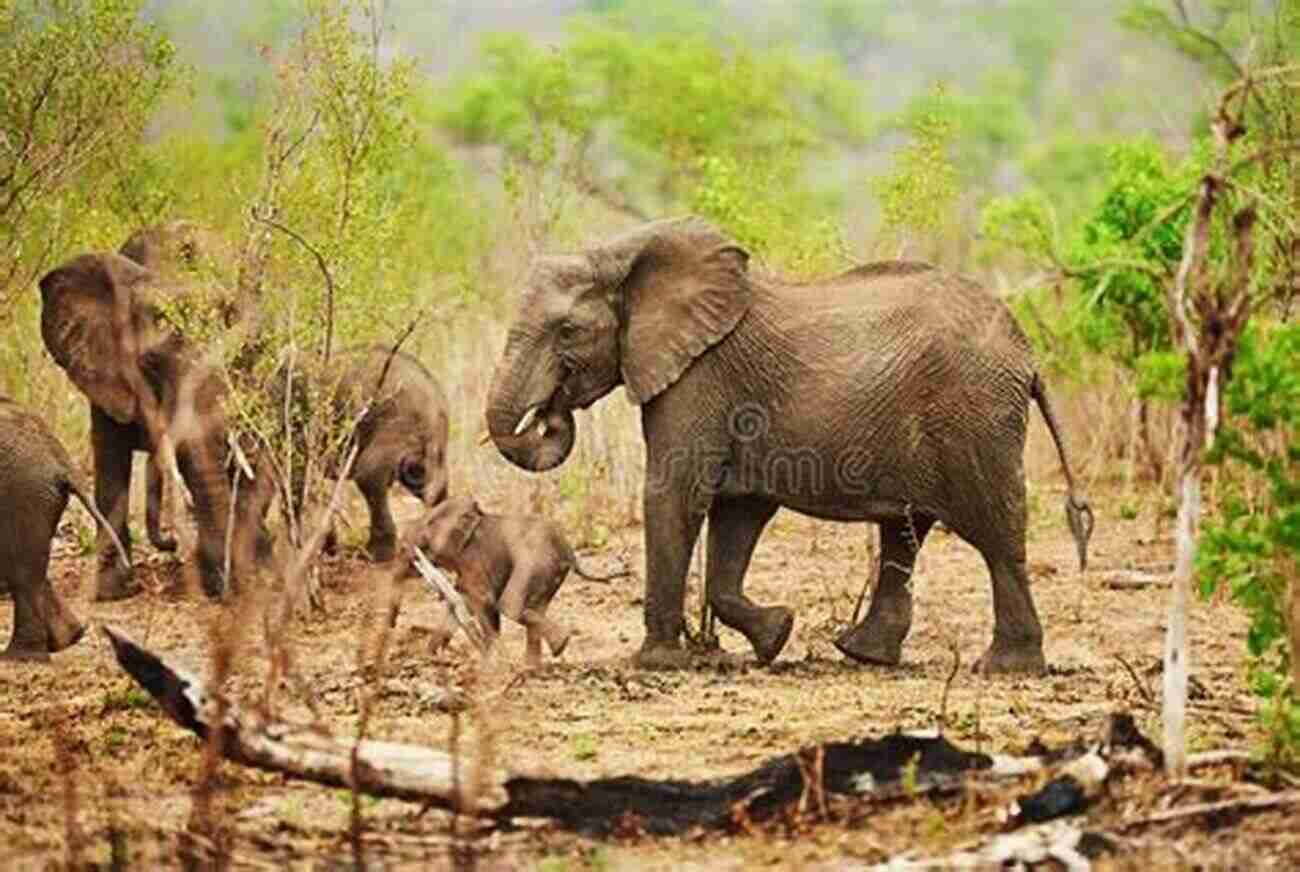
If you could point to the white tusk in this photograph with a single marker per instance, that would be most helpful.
(527, 421)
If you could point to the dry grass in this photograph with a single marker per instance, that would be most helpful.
(591, 714)
(97, 774)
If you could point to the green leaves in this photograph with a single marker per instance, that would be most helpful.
(645, 116)
(919, 196)
(79, 80)
(1253, 546)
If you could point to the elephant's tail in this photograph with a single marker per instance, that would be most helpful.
(1078, 514)
(79, 491)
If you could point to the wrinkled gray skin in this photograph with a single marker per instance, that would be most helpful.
(401, 440)
(85, 304)
(506, 564)
(78, 303)
(36, 478)
(893, 393)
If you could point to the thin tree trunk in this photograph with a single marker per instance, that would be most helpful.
(1176, 665)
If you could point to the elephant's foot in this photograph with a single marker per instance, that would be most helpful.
(542, 627)
(1023, 657)
(662, 656)
(213, 584)
(557, 639)
(769, 632)
(65, 632)
(873, 642)
(25, 654)
(115, 584)
(438, 639)
(382, 547)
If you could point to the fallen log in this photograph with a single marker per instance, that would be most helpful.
(871, 767)
(896, 766)
(1070, 846)
(1138, 580)
(385, 769)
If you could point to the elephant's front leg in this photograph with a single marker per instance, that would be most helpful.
(734, 528)
(155, 496)
(383, 529)
(671, 528)
(112, 445)
(879, 637)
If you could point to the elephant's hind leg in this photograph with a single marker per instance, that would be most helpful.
(734, 528)
(878, 638)
(31, 636)
(1017, 633)
(524, 599)
(43, 625)
(383, 529)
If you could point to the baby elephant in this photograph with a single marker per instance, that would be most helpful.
(505, 564)
(36, 477)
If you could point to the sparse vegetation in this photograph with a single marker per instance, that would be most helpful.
(385, 173)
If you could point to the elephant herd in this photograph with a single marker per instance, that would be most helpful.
(894, 393)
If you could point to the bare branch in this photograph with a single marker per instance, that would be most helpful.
(324, 269)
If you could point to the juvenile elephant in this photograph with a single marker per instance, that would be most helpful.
(401, 439)
(893, 392)
(36, 478)
(505, 564)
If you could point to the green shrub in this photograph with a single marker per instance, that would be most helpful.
(1252, 546)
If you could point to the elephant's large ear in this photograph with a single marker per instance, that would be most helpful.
(79, 301)
(683, 286)
(467, 522)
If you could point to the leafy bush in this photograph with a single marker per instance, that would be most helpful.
(646, 122)
(79, 80)
(1253, 547)
(919, 196)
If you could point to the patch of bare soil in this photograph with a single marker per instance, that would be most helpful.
(91, 769)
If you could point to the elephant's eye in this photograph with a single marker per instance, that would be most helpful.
(567, 329)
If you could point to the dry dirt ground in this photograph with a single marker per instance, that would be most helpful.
(83, 752)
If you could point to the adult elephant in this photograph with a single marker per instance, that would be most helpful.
(893, 392)
(105, 320)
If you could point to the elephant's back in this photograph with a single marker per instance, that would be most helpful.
(372, 369)
(34, 465)
(888, 319)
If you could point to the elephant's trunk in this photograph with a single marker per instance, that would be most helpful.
(521, 387)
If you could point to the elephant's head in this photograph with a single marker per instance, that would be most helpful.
(99, 320)
(423, 472)
(179, 247)
(448, 529)
(635, 311)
